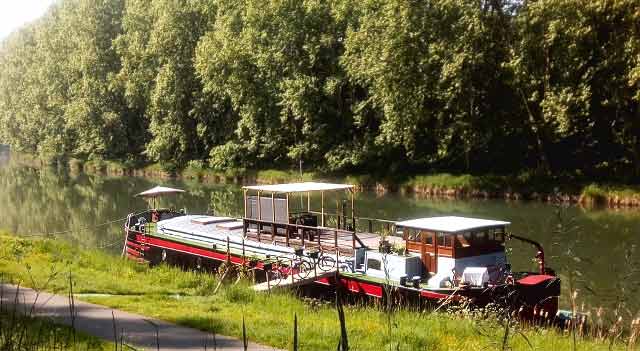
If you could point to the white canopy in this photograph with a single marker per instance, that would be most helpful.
(451, 224)
(159, 190)
(298, 187)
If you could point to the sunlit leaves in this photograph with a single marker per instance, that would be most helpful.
(387, 86)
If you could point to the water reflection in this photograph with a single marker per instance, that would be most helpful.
(596, 249)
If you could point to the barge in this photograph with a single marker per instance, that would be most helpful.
(281, 235)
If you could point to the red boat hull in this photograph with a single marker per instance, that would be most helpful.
(536, 298)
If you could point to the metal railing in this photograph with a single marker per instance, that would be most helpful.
(305, 234)
(372, 225)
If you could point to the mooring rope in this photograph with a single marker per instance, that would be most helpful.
(65, 232)
(111, 244)
(83, 228)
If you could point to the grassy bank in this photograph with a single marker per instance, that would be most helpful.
(443, 185)
(188, 298)
(524, 186)
(19, 333)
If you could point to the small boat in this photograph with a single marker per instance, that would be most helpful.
(433, 259)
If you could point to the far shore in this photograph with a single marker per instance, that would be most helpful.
(561, 190)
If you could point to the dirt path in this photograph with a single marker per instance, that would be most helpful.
(97, 320)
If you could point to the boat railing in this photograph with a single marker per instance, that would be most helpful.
(294, 234)
(362, 224)
(142, 221)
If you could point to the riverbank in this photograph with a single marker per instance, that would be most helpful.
(190, 299)
(550, 189)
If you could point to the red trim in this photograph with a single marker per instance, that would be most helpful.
(361, 287)
(439, 296)
(324, 281)
(535, 279)
(193, 250)
(133, 252)
(137, 246)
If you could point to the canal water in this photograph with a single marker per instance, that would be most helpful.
(595, 250)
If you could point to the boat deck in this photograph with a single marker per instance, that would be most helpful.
(210, 231)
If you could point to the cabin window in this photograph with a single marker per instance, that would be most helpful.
(374, 264)
(413, 235)
(445, 240)
(498, 235)
(463, 240)
(428, 237)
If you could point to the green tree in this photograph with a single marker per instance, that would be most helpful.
(277, 62)
(159, 81)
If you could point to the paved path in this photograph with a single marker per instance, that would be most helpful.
(97, 320)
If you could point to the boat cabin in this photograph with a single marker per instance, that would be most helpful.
(456, 249)
(283, 214)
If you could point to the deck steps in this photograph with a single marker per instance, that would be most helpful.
(289, 283)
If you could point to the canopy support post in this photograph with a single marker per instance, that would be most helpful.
(338, 212)
(245, 203)
(273, 208)
(259, 215)
(244, 219)
(353, 210)
(288, 221)
(353, 220)
(322, 208)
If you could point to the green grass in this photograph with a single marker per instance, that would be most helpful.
(187, 298)
(443, 180)
(197, 170)
(271, 176)
(594, 193)
(599, 194)
(19, 332)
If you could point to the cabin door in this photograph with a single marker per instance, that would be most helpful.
(430, 262)
(428, 252)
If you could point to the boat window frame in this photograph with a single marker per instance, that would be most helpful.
(413, 235)
(378, 263)
(428, 238)
(447, 240)
(463, 240)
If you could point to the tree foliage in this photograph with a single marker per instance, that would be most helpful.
(386, 86)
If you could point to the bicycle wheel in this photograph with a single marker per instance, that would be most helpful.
(304, 269)
(327, 263)
(281, 269)
(275, 277)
